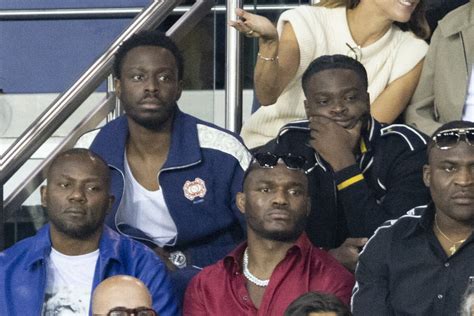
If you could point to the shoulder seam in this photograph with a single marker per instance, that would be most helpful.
(213, 138)
(397, 129)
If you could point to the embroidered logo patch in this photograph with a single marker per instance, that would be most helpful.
(194, 189)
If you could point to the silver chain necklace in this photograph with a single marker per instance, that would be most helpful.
(252, 278)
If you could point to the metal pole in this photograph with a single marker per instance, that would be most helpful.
(2, 220)
(233, 83)
(117, 13)
(111, 90)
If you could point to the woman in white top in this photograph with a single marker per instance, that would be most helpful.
(384, 35)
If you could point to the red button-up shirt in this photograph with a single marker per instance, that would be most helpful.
(220, 289)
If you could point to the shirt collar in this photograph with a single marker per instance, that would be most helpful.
(108, 245)
(41, 247)
(425, 224)
(233, 261)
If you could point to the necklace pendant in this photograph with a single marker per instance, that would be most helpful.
(452, 249)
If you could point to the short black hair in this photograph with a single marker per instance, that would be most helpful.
(313, 302)
(326, 62)
(80, 152)
(148, 38)
(449, 125)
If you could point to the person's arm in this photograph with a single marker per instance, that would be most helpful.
(153, 273)
(371, 292)
(393, 100)
(404, 190)
(278, 59)
(421, 112)
(363, 212)
(347, 254)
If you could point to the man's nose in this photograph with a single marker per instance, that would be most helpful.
(280, 197)
(151, 84)
(77, 194)
(338, 107)
(465, 176)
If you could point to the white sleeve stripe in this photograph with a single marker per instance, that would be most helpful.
(388, 225)
(213, 138)
(406, 139)
(86, 139)
(411, 129)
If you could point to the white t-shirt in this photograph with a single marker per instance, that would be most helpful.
(468, 114)
(146, 210)
(69, 282)
(324, 31)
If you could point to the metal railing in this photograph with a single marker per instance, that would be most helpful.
(115, 13)
(233, 82)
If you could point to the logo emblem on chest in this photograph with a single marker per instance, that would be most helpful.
(194, 189)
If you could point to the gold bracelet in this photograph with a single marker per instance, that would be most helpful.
(267, 58)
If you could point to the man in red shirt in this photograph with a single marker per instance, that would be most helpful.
(277, 263)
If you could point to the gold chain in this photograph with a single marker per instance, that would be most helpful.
(453, 248)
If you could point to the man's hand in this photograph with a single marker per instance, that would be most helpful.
(348, 253)
(333, 142)
(164, 256)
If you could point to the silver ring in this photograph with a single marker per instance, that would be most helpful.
(249, 33)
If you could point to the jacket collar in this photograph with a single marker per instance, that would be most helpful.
(184, 148)
(108, 246)
(426, 215)
(459, 20)
(425, 224)
(41, 247)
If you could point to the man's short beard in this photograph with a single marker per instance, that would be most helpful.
(282, 236)
(153, 123)
(83, 232)
(79, 233)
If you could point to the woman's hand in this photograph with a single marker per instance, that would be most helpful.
(253, 25)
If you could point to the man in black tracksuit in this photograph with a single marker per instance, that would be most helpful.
(361, 172)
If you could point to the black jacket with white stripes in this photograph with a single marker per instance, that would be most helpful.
(384, 184)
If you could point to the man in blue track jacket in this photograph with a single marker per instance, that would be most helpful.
(174, 176)
(56, 270)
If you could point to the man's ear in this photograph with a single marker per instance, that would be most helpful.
(427, 175)
(180, 89)
(44, 192)
(240, 202)
(305, 102)
(118, 88)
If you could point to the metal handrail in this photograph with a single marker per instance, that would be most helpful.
(19, 195)
(24, 190)
(233, 82)
(113, 13)
(63, 106)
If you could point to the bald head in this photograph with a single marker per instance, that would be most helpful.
(120, 290)
(84, 155)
